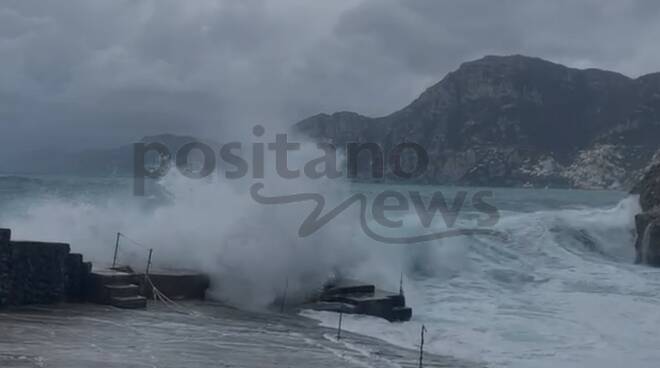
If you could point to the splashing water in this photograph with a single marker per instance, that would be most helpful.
(559, 290)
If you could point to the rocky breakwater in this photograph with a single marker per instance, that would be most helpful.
(648, 222)
(39, 273)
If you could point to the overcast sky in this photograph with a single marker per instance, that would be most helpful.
(81, 73)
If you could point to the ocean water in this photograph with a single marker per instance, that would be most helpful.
(559, 289)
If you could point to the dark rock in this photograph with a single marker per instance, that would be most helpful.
(649, 189)
(642, 222)
(647, 223)
(516, 120)
(649, 244)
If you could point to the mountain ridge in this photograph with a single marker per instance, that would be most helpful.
(518, 120)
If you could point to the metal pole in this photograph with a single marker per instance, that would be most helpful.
(114, 259)
(421, 349)
(341, 315)
(151, 251)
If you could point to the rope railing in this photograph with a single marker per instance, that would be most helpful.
(120, 237)
(157, 294)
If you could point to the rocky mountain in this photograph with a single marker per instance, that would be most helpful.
(518, 121)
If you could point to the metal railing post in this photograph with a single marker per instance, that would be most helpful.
(114, 258)
(151, 251)
(421, 349)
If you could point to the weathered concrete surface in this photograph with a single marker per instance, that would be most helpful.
(116, 288)
(83, 336)
(124, 288)
(97, 291)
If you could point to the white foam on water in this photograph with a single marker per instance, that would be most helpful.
(559, 290)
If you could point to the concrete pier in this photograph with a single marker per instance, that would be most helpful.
(356, 297)
(126, 289)
(89, 335)
(46, 273)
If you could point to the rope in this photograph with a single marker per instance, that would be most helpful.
(133, 241)
(157, 294)
(160, 296)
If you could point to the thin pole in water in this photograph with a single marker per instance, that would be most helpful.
(114, 258)
(421, 349)
(151, 251)
(341, 315)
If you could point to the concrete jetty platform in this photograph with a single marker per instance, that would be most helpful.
(176, 284)
(356, 297)
(123, 288)
(47, 273)
(89, 335)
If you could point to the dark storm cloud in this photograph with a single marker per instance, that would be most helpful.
(89, 72)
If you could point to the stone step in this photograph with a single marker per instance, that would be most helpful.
(130, 302)
(122, 290)
(99, 280)
(111, 277)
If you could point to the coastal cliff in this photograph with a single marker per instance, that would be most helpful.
(519, 121)
(647, 223)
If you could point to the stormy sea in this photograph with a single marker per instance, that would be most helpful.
(557, 287)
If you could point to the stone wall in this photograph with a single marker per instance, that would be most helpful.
(39, 273)
(5, 262)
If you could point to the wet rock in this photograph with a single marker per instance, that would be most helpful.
(649, 189)
(649, 244)
(647, 223)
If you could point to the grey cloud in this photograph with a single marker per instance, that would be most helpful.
(91, 72)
